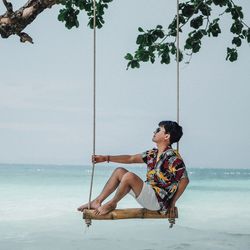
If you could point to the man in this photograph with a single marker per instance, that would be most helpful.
(166, 175)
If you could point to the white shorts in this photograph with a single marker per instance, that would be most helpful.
(147, 197)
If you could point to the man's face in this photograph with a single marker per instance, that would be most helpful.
(159, 135)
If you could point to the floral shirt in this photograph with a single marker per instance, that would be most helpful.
(164, 175)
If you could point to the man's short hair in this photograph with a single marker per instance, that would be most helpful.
(174, 129)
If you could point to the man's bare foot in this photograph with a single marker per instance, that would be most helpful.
(106, 208)
(95, 204)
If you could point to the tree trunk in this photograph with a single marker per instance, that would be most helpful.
(14, 22)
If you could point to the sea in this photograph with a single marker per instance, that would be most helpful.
(38, 210)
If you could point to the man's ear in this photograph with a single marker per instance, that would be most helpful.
(167, 136)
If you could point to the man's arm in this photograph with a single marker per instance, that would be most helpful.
(126, 159)
(181, 188)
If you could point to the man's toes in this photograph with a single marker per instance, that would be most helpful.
(79, 208)
(96, 212)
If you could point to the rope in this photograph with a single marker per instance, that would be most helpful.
(178, 65)
(87, 220)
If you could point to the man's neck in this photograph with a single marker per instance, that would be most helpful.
(161, 147)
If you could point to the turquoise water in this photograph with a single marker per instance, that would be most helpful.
(38, 211)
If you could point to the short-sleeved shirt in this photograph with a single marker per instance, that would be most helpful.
(164, 175)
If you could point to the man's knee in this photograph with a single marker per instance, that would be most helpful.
(120, 171)
(129, 177)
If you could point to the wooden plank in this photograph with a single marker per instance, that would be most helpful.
(129, 213)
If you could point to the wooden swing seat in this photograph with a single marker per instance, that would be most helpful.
(129, 213)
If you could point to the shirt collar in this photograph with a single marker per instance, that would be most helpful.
(167, 148)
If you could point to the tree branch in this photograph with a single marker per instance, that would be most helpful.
(170, 33)
(13, 23)
(239, 14)
(8, 6)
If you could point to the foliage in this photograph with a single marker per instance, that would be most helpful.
(69, 13)
(197, 13)
(161, 43)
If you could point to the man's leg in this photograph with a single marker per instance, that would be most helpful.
(108, 189)
(129, 181)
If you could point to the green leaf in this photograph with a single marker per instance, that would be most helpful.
(152, 59)
(128, 57)
(128, 65)
(214, 28)
(233, 57)
(180, 56)
(165, 58)
(198, 35)
(244, 33)
(187, 46)
(158, 34)
(197, 22)
(173, 50)
(143, 55)
(182, 19)
(189, 43)
(248, 36)
(229, 4)
(236, 12)
(61, 17)
(236, 41)
(187, 10)
(140, 29)
(196, 47)
(220, 2)
(77, 23)
(135, 64)
(205, 9)
(107, 1)
(236, 27)
(232, 54)
(140, 39)
(239, 10)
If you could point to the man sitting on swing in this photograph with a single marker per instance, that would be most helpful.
(166, 177)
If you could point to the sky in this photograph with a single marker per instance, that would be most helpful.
(46, 92)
